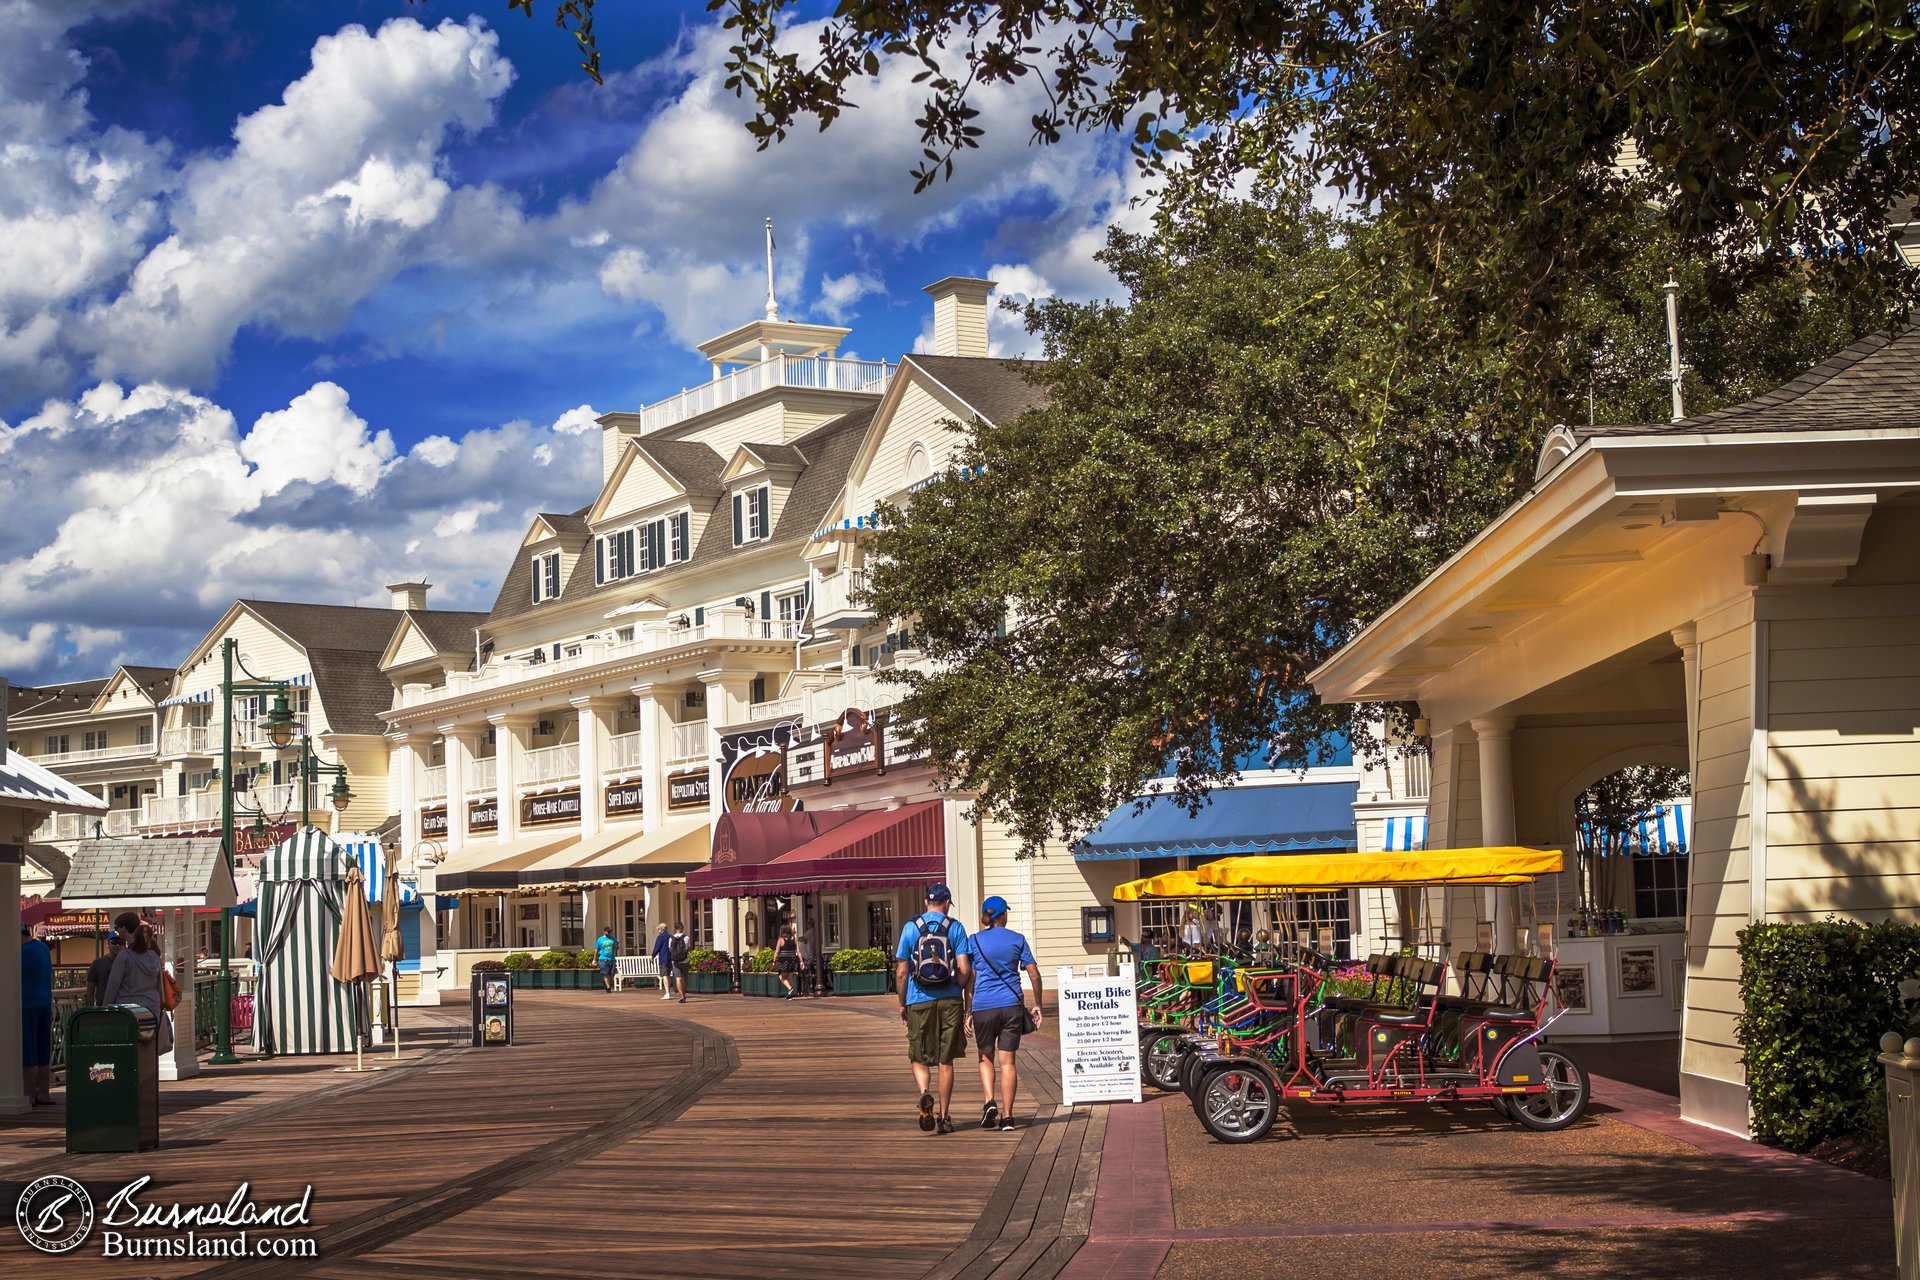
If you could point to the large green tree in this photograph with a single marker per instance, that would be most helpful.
(1256, 453)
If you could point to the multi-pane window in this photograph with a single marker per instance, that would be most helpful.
(143, 735)
(645, 547)
(834, 939)
(94, 739)
(751, 509)
(701, 926)
(572, 930)
(56, 744)
(880, 924)
(791, 607)
(546, 577)
(1659, 885)
(613, 556)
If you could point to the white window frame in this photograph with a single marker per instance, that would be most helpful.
(754, 510)
(546, 576)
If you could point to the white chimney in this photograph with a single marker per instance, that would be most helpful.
(408, 595)
(960, 316)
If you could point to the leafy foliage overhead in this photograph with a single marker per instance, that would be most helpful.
(1259, 452)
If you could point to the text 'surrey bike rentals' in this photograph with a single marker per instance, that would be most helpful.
(1245, 1032)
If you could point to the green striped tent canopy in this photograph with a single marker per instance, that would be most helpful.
(303, 883)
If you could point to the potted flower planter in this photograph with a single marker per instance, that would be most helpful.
(759, 984)
(710, 983)
(860, 984)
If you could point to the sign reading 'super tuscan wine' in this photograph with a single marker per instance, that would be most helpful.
(625, 800)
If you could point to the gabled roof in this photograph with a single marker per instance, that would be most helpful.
(52, 699)
(353, 690)
(1873, 384)
(517, 586)
(360, 628)
(156, 872)
(152, 681)
(999, 390)
(775, 456)
(571, 526)
(24, 782)
(444, 630)
(695, 467)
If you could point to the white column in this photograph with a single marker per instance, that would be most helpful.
(593, 737)
(14, 826)
(460, 744)
(1688, 639)
(408, 749)
(182, 1062)
(653, 777)
(1495, 737)
(508, 739)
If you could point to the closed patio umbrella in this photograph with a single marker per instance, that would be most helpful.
(354, 959)
(392, 949)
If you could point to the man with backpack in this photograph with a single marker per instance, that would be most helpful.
(932, 973)
(679, 948)
(662, 954)
(1000, 1014)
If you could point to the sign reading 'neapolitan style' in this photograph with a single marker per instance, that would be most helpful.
(753, 769)
(483, 815)
(560, 806)
(433, 822)
(688, 791)
(855, 744)
(625, 800)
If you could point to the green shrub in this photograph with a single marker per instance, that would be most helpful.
(706, 960)
(588, 959)
(1817, 998)
(489, 966)
(517, 960)
(859, 960)
(558, 960)
(762, 961)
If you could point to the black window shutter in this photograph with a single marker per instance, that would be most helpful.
(739, 528)
(686, 535)
(699, 617)
(599, 560)
(766, 605)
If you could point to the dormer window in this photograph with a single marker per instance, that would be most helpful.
(613, 556)
(546, 576)
(750, 510)
(656, 544)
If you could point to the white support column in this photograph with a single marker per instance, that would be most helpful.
(653, 777)
(593, 737)
(729, 695)
(1495, 738)
(509, 740)
(182, 1062)
(460, 744)
(409, 748)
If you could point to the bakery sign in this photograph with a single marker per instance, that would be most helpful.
(854, 744)
(483, 815)
(560, 806)
(753, 769)
(688, 791)
(625, 800)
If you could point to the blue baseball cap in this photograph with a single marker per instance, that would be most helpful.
(993, 908)
(939, 893)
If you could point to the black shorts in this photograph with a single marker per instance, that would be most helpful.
(999, 1028)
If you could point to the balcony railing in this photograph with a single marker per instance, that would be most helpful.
(193, 740)
(624, 752)
(652, 637)
(778, 708)
(687, 742)
(820, 373)
(433, 782)
(839, 599)
(63, 826)
(198, 809)
(863, 689)
(125, 751)
(1416, 775)
(482, 777)
(550, 764)
(121, 822)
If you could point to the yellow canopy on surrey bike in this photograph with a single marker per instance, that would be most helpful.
(1312, 872)
(1176, 886)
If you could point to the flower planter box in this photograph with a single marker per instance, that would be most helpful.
(710, 983)
(556, 979)
(759, 984)
(859, 984)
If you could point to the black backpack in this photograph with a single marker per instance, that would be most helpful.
(933, 955)
(677, 948)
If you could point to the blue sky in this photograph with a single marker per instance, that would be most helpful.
(302, 297)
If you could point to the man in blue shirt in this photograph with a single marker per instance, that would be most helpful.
(934, 1011)
(1000, 1013)
(603, 949)
(36, 1008)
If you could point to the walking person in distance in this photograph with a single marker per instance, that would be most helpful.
(1000, 1012)
(786, 962)
(603, 949)
(136, 974)
(679, 948)
(932, 974)
(662, 954)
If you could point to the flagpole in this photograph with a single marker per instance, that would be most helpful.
(773, 308)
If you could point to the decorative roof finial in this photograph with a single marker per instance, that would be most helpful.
(773, 308)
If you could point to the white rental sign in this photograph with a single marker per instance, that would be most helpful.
(1099, 1038)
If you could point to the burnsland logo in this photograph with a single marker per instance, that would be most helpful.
(54, 1214)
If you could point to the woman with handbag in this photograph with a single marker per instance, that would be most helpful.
(139, 976)
(1000, 1012)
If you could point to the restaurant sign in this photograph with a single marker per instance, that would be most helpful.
(855, 744)
(688, 791)
(560, 806)
(753, 767)
(67, 923)
(248, 843)
(483, 815)
(625, 800)
(433, 822)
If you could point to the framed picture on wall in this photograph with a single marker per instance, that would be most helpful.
(1638, 971)
(1570, 988)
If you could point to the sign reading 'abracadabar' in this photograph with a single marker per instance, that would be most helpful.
(1099, 1037)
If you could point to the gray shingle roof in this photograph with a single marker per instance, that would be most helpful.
(363, 628)
(829, 450)
(172, 871)
(353, 690)
(1873, 384)
(999, 390)
(779, 455)
(695, 467)
(448, 630)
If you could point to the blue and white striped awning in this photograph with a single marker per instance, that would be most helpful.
(367, 851)
(210, 695)
(1406, 834)
(1667, 830)
(851, 524)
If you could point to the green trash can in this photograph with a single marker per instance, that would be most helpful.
(113, 1080)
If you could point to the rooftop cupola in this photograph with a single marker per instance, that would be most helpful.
(960, 316)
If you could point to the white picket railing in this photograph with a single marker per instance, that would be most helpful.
(196, 809)
(482, 776)
(825, 373)
(686, 742)
(624, 752)
(192, 740)
(125, 751)
(549, 764)
(433, 782)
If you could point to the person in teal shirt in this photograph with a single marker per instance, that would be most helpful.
(603, 950)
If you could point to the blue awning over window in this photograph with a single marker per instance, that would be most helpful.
(1287, 818)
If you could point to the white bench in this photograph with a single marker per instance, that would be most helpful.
(636, 969)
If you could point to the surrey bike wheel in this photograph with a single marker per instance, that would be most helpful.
(1564, 1101)
(1192, 1067)
(1236, 1103)
(1161, 1056)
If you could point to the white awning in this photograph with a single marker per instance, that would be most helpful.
(209, 695)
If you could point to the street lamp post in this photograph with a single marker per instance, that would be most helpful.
(280, 727)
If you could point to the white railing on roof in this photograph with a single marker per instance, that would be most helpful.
(624, 752)
(820, 373)
(649, 637)
(63, 826)
(125, 751)
(687, 742)
(433, 782)
(483, 776)
(549, 764)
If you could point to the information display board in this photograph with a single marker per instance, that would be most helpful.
(1099, 1037)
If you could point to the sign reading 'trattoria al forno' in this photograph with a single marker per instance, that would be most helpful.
(1099, 1037)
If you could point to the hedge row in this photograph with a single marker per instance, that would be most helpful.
(1817, 998)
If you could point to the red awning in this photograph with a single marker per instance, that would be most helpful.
(49, 919)
(870, 849)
